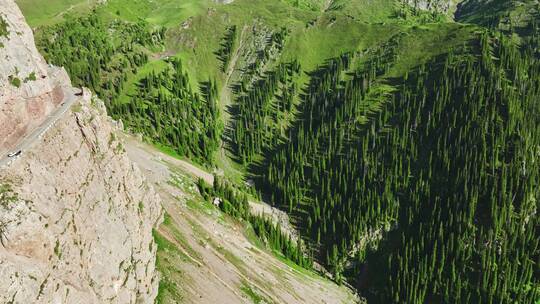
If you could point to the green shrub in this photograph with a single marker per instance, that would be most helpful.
(15, 81)
(31, 77)
(3, 27)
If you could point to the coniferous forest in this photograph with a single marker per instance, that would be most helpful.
(93, 56)
(404, 146)
(227, 47)
(261, 108)
(166, 109)
(450, 160)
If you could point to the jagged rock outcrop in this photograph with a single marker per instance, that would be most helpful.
(76, 215)
(78, 228)
(441, 6)
(29, 88)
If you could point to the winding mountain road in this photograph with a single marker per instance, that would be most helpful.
(35, 135)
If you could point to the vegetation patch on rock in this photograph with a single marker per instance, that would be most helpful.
(3, 27)
(14, 81)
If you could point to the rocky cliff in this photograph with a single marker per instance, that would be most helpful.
(76, 215)
(29, 88)
(440, 6)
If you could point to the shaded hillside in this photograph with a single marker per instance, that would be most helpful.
(508, 14)
(469, 194)
(207, 255)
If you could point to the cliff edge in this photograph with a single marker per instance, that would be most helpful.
(76, 215)
(29, 88)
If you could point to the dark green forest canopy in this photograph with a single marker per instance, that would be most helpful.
(166, 109)
(403, 144)
(99, 54)
(103, 54)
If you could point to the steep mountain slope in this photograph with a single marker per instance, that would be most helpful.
(29, 89)
(76, 215)
(401, 143)
(96, 241)
(519, 18)
(372, 158)
(447, 216)
(441, 6)
(207, 256)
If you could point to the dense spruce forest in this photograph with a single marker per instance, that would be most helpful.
(166, 109)
(449, 159)
(99, 54)
(261, 109)
(446, 164)
(402, 139)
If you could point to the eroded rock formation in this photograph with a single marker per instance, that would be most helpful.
(76, 215)
(29, 88)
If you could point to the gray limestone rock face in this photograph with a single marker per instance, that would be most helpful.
(441, 6)
(76, 215)
(76, 218)
(29, 88)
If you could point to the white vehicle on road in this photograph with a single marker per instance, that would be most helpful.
(13, 154)
(36, 135)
